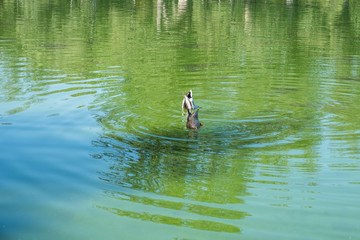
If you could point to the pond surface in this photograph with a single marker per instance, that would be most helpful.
(93, 141)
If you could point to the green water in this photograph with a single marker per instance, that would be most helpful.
(93, 143)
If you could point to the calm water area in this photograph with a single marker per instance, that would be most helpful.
(94, 144)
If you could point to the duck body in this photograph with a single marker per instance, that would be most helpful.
(193, 120)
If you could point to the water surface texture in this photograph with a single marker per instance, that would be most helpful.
(93, 143)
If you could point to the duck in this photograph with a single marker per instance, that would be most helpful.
(193, 120)
(188, 102)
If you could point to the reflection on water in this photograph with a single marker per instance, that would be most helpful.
(197, 224)
(278, 83)
(180, 209)
(212, 166)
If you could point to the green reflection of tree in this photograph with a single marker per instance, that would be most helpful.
(191, 223)
(177, 169)
(56, 34)
(183, 176)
